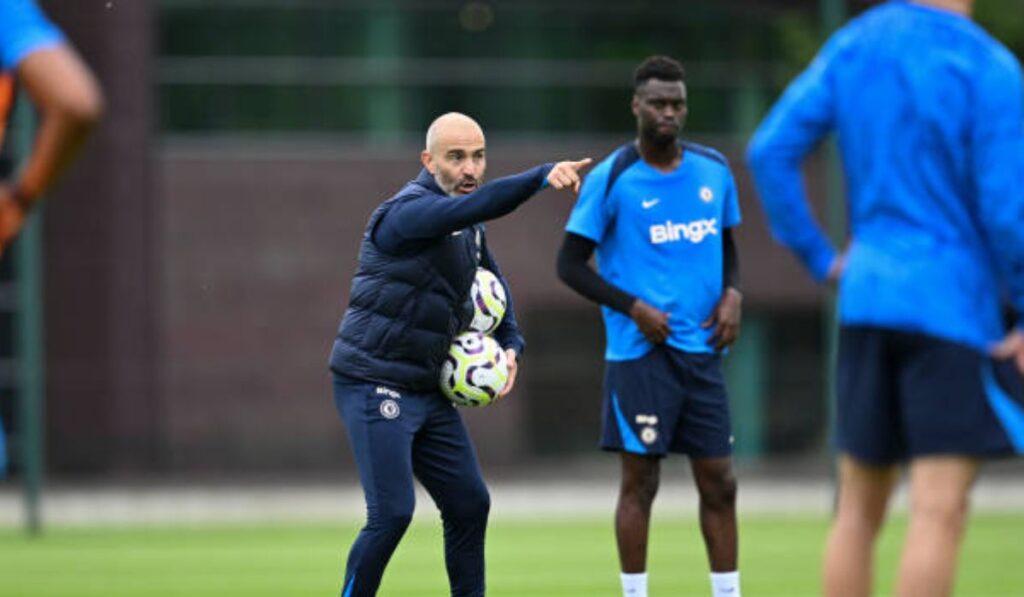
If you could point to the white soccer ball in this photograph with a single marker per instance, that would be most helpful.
(489, 302)
(475, 370)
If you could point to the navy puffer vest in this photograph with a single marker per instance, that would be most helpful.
(404, 310)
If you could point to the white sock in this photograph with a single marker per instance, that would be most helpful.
(634, 585)
(725, 584)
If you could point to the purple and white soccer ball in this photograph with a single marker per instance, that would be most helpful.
(475, 370)
(489, 302)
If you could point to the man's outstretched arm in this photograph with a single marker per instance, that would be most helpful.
(432, 216)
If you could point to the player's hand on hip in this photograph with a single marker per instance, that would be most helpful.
(725, 318)
(12, 216)
(1012, 348)
(653, 323)
(513, 368)
(566, 175)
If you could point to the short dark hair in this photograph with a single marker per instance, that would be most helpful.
(658, 67)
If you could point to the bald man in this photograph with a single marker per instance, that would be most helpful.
(409, 299)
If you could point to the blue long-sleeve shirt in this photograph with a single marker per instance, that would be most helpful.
(929, 113)
(410, 225)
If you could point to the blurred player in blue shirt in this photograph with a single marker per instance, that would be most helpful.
(34, 54)
(928, 112)
(660, 214)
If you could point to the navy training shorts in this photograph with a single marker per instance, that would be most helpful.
(902, 395)
(667, 401)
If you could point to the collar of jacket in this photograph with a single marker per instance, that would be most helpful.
(426, 179)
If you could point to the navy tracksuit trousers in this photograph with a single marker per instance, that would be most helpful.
(395, 436)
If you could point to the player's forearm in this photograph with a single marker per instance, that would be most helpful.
(730, 261)
(784, 198)
(57, 142)
(69, 103)
(1000, 180)
(574, 269)
(1012, 262)
(1002, 213)
(1013, 272)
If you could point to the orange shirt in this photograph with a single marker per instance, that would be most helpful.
(6, 101)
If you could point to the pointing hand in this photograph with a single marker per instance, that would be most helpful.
(568, 174)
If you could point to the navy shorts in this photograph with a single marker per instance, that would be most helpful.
(667, 401)
(903, 395)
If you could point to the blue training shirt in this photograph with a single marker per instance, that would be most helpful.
(23, 29)
(928, 111)
(659, 237)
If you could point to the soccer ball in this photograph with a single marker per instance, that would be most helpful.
(475, 370)
(489, 302)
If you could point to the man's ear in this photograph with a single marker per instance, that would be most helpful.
(635, 105)
(427, 161)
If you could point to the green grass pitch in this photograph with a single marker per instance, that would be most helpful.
(780, 556)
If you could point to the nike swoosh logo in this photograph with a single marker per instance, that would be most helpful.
(649, 204)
